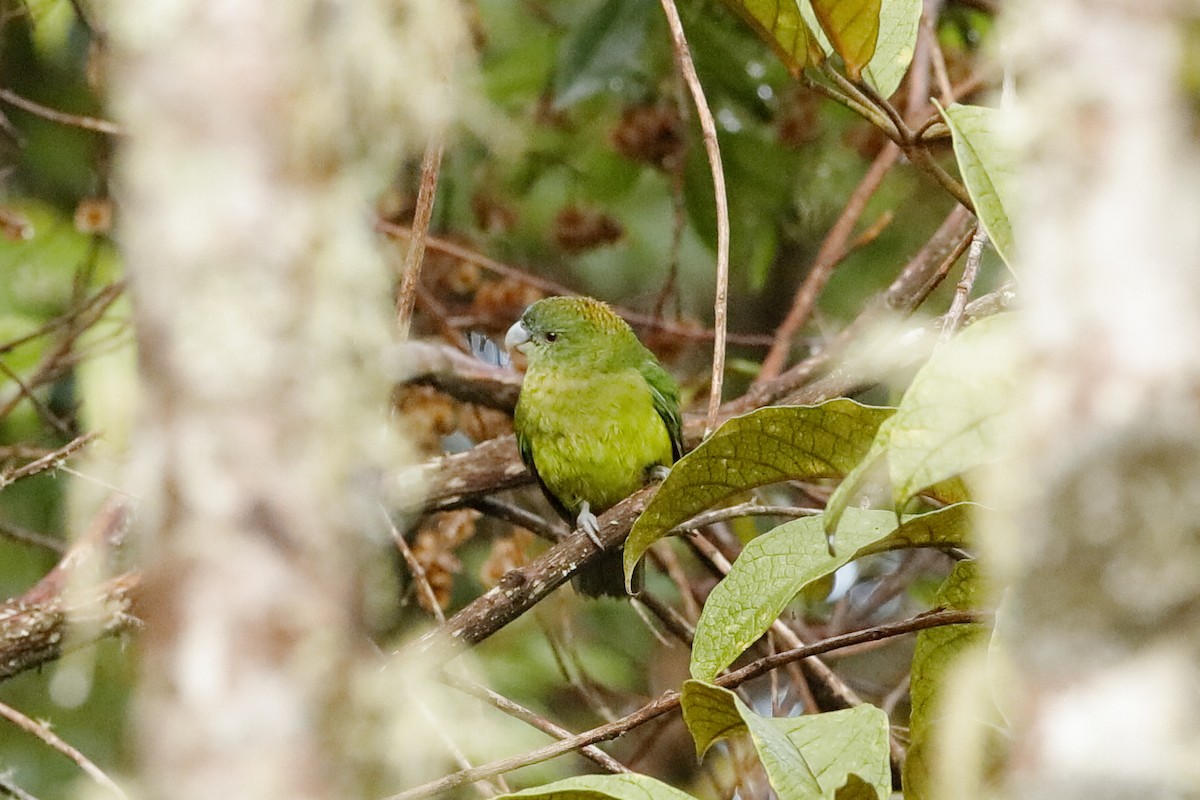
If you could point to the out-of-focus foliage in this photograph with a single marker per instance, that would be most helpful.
(587, 171)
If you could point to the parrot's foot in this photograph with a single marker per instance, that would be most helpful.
(658, 472)
(587, 522)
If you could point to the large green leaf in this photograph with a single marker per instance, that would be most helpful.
(605, 46)
(765, 446)
(816, 755)
(935, 653)
(899, 21)
(712, 713)
(774, 567)
(853, 29)
(627, 786)
(840, 746)
(955, 415)
(988, 166)
(780, 25)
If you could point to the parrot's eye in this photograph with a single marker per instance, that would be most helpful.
(551, 336)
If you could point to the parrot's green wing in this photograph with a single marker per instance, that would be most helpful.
(666, 401)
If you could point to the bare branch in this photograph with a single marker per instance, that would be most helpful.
(961, 292)
(43, 732)
(518, 711)
(833, 250)
(669, 701)
(49, 461)
(61, 117)
(522, 588)
(431, 165)
(708, 126)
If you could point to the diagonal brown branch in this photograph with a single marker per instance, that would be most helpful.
(669, 701)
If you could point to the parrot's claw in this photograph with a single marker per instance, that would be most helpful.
(587, 522)
(659, 472)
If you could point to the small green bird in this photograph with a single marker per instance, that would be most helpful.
(597, 416)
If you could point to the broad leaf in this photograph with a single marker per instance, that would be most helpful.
(712, 713)
(766, 446)
(955, 415)
(627, 786)
(988, 166)
(936, 650)
(853, 29)
(780, 25)
(774, 567)
(841, 746)
(899, 21)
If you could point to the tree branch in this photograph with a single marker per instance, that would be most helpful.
(669, 701)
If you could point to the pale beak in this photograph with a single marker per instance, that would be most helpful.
(517, 337)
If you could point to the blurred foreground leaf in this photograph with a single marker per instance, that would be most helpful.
(955, 415)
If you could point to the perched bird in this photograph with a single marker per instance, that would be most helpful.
(596, 417)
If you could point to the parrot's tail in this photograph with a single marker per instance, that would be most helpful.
(605, 577)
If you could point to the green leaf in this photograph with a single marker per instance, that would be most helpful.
(955, 415)
(847, 750)
(935, 652)
(988, 166)
(774, 567)
(606, 46)
(712, 713)
(899, 21)
(853, 28)
(780, 25)
(765, 446)
(627, 786)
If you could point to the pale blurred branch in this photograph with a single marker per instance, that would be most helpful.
(42, 731)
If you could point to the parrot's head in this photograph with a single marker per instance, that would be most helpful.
(565, 331)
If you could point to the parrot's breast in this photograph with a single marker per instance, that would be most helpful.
(592, 439)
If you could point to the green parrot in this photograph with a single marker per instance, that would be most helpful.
(596, 417)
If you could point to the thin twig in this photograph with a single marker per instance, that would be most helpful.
(669, 701)
(43, 732)
(103, 298)
(520, 517)
(49, 461)
(832, 251)
(708, 127)
(431, 165)
(61, 117)
(518, 711)
(32, 538)
(43, 412)
(937, 58)
(634, 318)
(748, 509)
(958, 305)
(415, 567)
(10, 789)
